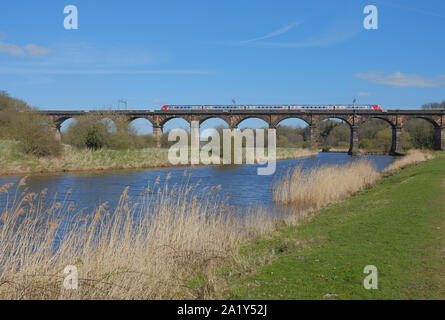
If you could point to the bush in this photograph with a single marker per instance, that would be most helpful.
(18, 121)
(36, 136)
(95, 138)
(325, 149)
(102, 131)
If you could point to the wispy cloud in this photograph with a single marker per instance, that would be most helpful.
(399, 79)
(339, 31)
(30, 50)
(55, 71)
(36, 51)
(11, 49)
(273, 33)
(317, 41)
(417, 10)
(80, 58)
(364, 94)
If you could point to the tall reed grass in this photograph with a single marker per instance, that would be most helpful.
(314, 189)
(138, 250)
(153, 246)
(412, 157)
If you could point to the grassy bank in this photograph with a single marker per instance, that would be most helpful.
(398, 226)
(172, 242)
(12, 161)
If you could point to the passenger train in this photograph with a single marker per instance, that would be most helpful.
(274, 107)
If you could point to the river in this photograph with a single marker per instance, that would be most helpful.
(240, 185)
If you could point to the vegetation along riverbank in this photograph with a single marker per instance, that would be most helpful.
(13, 161)
(173, 242)
(29, 143)
(397, 226)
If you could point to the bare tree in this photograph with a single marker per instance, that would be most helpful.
(433, 106)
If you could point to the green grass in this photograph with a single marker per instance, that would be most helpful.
(398, 226)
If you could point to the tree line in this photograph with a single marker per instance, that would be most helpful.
(36, 136)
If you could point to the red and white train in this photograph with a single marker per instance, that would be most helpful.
(274, 107)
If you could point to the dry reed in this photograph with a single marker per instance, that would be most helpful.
(149, 248)
(412, 157)
(140, 250)
(314, 189)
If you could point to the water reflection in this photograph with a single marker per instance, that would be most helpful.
(241, 185)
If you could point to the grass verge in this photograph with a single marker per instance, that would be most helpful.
(398, 226)
(12, 161)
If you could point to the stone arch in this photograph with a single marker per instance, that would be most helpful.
(205, 123)
(386, 119)
(434, 122)
(353, 133)
(225, 119)
(278, 119)
(63, 122)
(318, 119)
(58, 122)
(110, 122)
(136, 122)
(292, 134)
(240, 119)
(376, 127)
(421, 131)
(166, 119)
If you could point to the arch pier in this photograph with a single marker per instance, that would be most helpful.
(354, 118)
(157, 134)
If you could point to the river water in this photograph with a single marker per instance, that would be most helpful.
(240, 185)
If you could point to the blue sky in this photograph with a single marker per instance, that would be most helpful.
(207, 52)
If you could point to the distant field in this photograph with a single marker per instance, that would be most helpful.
(398, 226)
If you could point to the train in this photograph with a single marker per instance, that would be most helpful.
(274, 107)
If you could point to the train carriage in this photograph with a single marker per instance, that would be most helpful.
(273, 107)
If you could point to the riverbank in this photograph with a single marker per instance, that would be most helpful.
(359, 152)
(397, 226)
(168, 244)
(12, 161)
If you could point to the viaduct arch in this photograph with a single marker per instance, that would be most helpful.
(354, 118)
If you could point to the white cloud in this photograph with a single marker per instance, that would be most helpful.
(364, 94)
(399, 79)
(159, 101)
(11, 49)
(30, 50)
(80, 58)
(36, 51)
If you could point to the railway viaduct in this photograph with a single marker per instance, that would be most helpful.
(354, 118)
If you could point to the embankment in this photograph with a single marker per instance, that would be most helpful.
(172, 243)
(12, 161)
(398, 226)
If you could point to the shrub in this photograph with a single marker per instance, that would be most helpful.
(104, 131)
(36, 136)
(18, 121)
(95, 138)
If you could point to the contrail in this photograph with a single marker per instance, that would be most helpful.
(274, 33)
